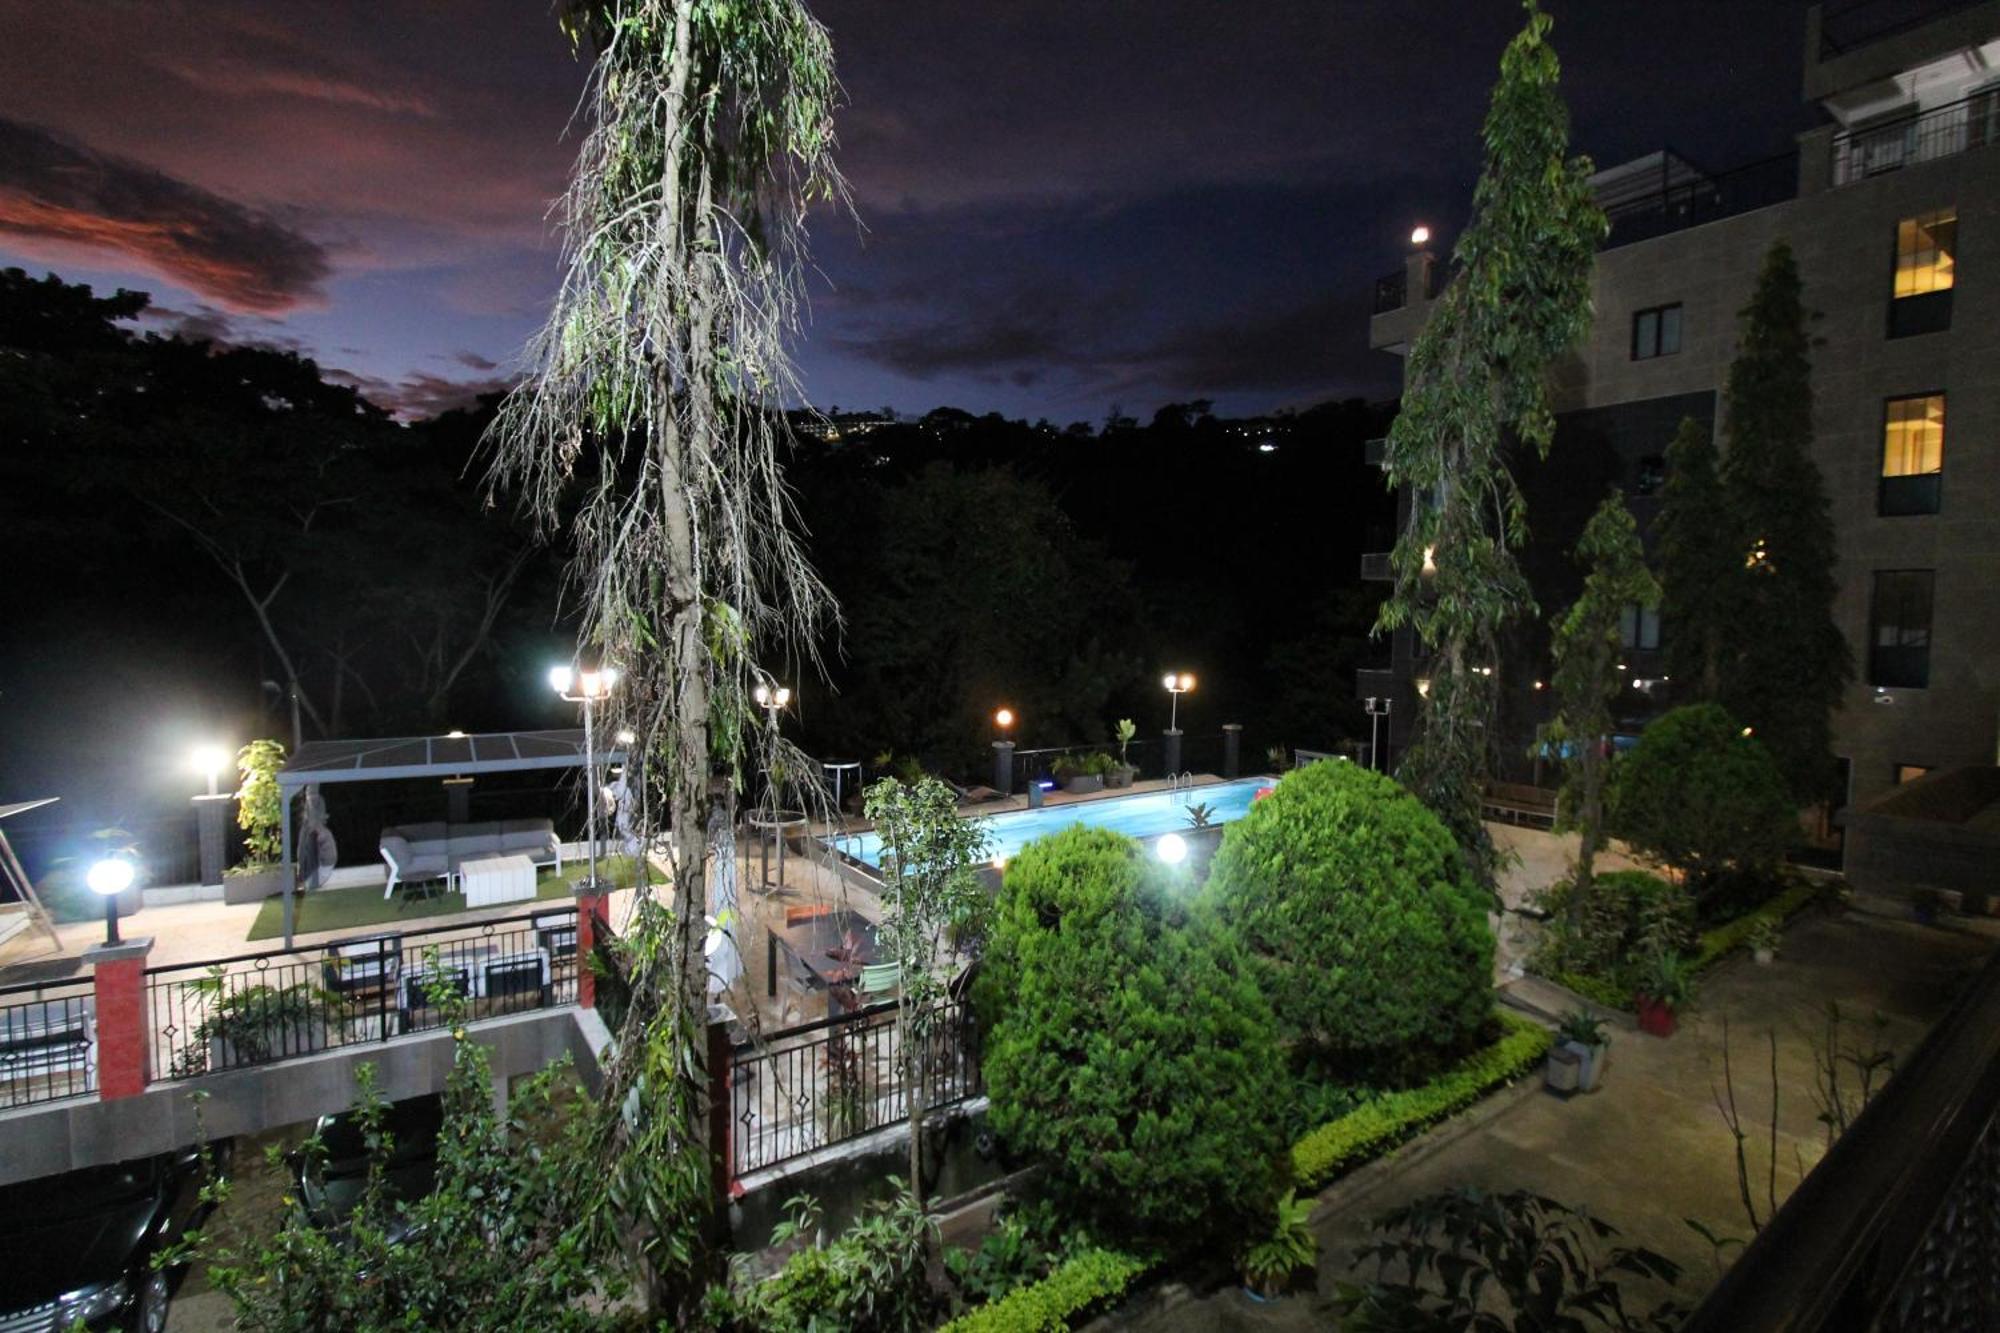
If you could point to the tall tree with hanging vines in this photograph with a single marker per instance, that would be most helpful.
(1475, 387)
(648, 425)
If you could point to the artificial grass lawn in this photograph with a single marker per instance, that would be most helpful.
(351, 909)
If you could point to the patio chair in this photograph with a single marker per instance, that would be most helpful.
(879, 980)
(50, 1037)
(516, 974)
(363, 966)
(555, 932)
(414, 997)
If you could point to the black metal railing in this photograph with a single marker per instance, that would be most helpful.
(1391, 292)
(1377, 568)
(48, 1042)
(1847, 24)
(1375, 453)
(1703, 198)
(258, 1008)
(1898, 1227)
(1922, 136)
(821, 1084)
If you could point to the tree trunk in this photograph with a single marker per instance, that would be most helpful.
(914, 1050)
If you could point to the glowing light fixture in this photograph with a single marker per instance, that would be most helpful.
(626, 736)
(771, 697)
(1420, 235)
(1177, 683)
(1171, 849)
(1424, 687)
(109, 878)
(210, 761)
(1004, 718)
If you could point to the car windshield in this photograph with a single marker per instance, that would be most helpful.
(412, 1127)
(78, 1193)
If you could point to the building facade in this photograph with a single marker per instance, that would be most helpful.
(1892, 208)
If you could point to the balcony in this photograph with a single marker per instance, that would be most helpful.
(1392, 292)
(1375, 453)
(1922, 136)
(1375, 568)
(1683, 196)
(1848, 25)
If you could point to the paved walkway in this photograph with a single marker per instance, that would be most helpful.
(1648, 1149)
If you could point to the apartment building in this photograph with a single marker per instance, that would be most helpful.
(1892, 207)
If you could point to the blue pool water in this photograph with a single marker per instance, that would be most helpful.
(1141, 816)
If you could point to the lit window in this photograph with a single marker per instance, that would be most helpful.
(1656, 332)
(1924, 248)
(1911, 772)
(1899, 629)
(1912, 454)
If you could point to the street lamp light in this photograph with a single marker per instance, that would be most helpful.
(109, 878)
(771, 698)
(210, 761)
(1177, 683)
(586, 688)
(1004, 719)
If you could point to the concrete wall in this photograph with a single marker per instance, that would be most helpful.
(46, 1140)
(1930, 834)
(1844, 240)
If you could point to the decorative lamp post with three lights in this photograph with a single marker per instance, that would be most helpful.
(1177, 683)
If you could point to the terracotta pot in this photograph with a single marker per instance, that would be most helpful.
(1656, 1017)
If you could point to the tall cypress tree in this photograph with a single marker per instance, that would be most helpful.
(1587, 648)
(1701, 567)
(1475, 385)
(1787, 662)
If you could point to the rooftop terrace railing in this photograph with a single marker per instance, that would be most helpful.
(1922, 136)
(1704, 198)
(1897, 1228)
(258, 1008)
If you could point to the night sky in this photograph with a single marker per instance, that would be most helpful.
(1064, 206)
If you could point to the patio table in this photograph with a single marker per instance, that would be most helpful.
(832, 945)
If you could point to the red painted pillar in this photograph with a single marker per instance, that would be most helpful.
(592, 918)
(124, 1037)
(720, 1046)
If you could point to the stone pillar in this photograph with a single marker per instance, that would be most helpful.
(124, 1046)
(1034, 793)
(592, 908)
(721, 1045)
(1232, 749)
(1816, 160)
(1172, 751)
(211, 826)
(1417, 276)
(1003, 767)
(458, 800)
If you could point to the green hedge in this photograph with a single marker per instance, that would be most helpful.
(1079, 1286)
(1597, 989)
(1373, 1128)
(1729, 936)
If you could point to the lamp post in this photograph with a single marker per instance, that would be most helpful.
(1177, 683)
(1003, 753)
(772, 699)
(1378, 708)
(586, 688)
(109, 878)
(211, 812)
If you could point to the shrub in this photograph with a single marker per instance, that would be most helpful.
(1273, 1261)
(1724, 939)
(1080, 1286)
(1699, 794)
(1366, 931)
(869, 1279)
(1376, 1126)
(259, 806)
(1628, 916)
(1127, 1048)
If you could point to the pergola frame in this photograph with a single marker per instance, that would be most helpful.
(319, 763)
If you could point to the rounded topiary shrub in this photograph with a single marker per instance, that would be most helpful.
(1127, 1049)
(1700, 795)
(1366, 931)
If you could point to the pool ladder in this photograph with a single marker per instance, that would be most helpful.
(1179, 784)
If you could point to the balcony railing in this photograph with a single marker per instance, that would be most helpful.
(1378, 683)
(1923, 136)
(1375, 452)
(1897, 1228)
(1375, 568)
(1705, 197)
(48, 1042)
(1392, 292)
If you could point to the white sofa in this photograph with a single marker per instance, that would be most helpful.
(417, 852)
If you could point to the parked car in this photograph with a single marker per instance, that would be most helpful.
(333, 1192)
(80, 1246)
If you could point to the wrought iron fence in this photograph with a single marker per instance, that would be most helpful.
(1897, 1228)
(48, 1042)
(824, 1083)
(257, 1008)
(1392, 292)
(1702, 198)
(1924, 136)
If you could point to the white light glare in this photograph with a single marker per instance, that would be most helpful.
(1171, 849)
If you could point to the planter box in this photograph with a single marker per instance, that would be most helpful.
(1656, 1017)
(1590, 1061)
(1121, 776)
(1562, 1072)
(253, 886)
(1083, 784)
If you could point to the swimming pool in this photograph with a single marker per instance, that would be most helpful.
(1140, 816)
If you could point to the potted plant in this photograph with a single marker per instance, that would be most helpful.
(1763, 940)
(1081, 774)
(1271, 1264)
(1666, 987)
(1582, 1034)
(258, 810)
(1122, 772)
(257, 1023)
